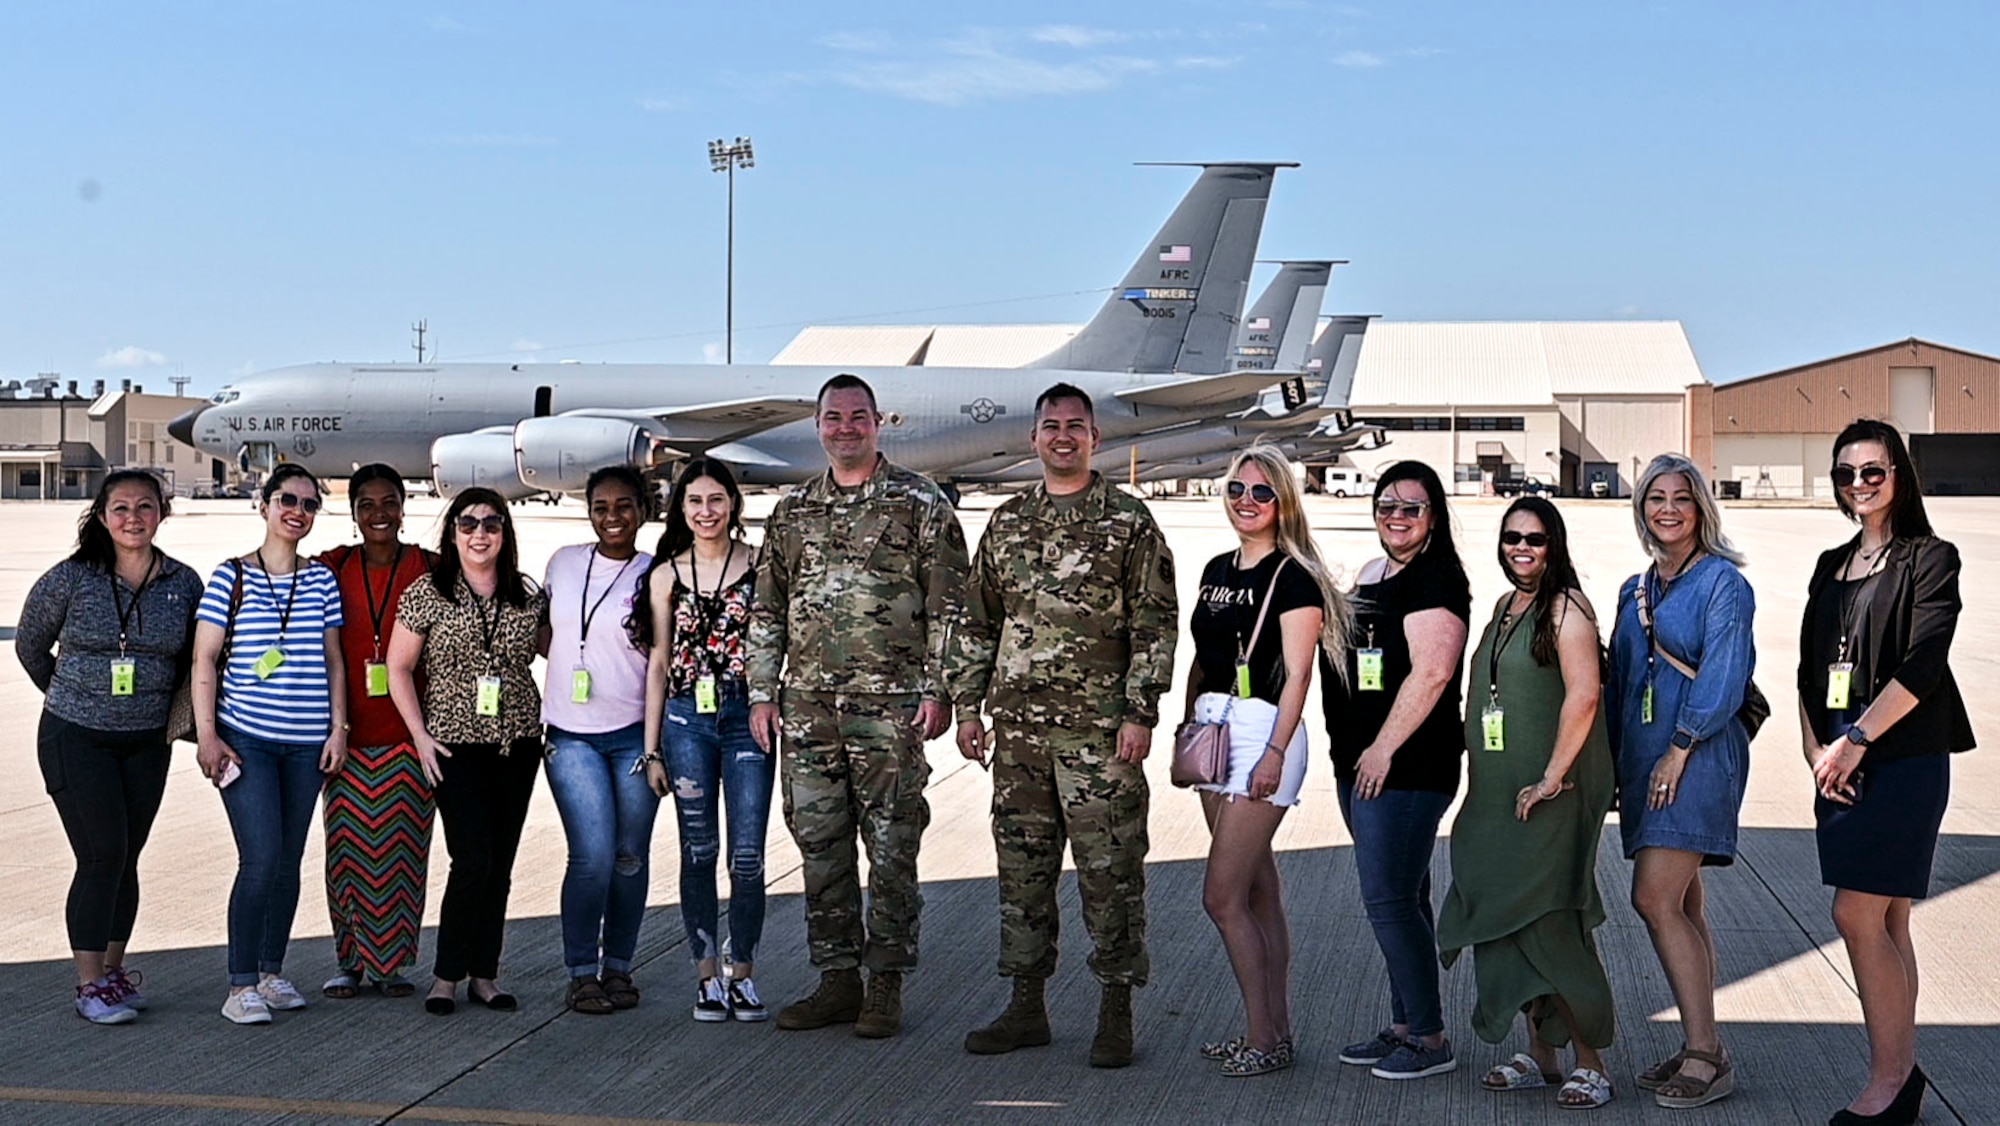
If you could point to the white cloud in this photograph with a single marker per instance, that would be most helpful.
(131, 356)
(869, 42)
(1207, 62)
(1627, 310)
(445, 25)
(1070, 35)
(526, 345)
(1357, 59)
(487, 141)
(664, 105)
(712, 352)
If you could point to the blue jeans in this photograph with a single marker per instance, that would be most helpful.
(607, 815)
(270, 812)
(1394, 834)
(702, 750)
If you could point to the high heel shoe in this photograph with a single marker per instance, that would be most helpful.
(1901, 1111)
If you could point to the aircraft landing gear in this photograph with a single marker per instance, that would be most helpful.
(950, 491)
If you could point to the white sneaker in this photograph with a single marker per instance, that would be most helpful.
(246, 1006)
(280, 994)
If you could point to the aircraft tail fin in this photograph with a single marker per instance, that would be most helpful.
(1177, 307)
(1278, 330)
(1335, 355)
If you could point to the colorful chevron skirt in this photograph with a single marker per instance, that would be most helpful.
(378, 841)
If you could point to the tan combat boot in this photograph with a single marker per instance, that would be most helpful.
(837, 1000)
(1025, 1024)
(882, 1010)
(1113, 1045)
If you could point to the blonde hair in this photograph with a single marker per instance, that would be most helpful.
(1295, 539)
(1708, 514)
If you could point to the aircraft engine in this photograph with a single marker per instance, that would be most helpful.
(558, 454)
(461, 461)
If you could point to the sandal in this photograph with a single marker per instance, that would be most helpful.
(1593, 1087)
(1684, 1092)
(342, 986)
(586, 995)
(1656, 1076)
(1521, 1073)
(395, 985)
(619, 987)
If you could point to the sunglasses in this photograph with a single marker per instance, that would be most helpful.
(491, 525)
(1408, 510)
(1844, 475)
(1532, 539)
(294, 500)
(1262, 494)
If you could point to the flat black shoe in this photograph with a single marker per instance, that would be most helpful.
(501, 1002)
(440, 1006)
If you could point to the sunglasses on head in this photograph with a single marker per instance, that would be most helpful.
(1262, 494)
(1844, 475)
(1532, 539)
(1408, 509)
(491, 525)
(294, 500)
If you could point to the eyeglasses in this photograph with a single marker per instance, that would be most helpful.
(1844, 475)
(1532, 539)
(293, 500)
(1408, 510)
(1262, 494)
(491, 525)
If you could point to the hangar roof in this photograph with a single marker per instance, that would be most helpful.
(1520, 363)
(859, 345)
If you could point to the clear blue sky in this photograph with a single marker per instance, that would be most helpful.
(226, 187)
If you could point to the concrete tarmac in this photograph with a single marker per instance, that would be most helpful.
(1790, 1015)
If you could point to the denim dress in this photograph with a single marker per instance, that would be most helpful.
(1704, 619)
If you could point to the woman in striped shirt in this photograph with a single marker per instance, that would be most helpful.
(270, 727)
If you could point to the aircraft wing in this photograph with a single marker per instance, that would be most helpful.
(1199, 391)
(710, 424)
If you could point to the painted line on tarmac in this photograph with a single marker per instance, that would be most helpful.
(324, 1108)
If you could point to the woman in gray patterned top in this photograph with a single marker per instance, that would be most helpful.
(105, 635)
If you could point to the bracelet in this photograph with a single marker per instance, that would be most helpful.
(651, 756)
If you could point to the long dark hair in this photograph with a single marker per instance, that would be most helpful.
(1440, 544)
(444, 574)
(1558, 578)
(93, 540)
(1907, 517)
(679, 537)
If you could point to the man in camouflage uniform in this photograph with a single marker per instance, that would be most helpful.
(863, 571)
(1069, 643)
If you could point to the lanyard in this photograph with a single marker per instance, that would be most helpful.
(1852, 607)
(1510, 622)
(584, 608)
(710, 610)
(489, 625)
(118, 600)
(377, 613)
(1236, 565)
(1648, 613)
(285, 615)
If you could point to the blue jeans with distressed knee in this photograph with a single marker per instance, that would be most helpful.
(607, 815)
(704, 754)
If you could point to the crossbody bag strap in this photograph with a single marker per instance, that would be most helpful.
(1646, 622)
(235, 604)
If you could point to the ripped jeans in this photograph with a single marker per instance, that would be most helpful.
(702, 750)
(607, 816)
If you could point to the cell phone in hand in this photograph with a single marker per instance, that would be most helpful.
(230, 773)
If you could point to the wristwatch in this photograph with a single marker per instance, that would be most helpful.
(1858, 735)
(1683, 741)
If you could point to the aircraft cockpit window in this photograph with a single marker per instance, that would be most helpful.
(226, 395)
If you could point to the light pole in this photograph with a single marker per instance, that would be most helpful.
(726, 157)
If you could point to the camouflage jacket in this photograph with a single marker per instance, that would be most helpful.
(856, 592)
(1071, 617)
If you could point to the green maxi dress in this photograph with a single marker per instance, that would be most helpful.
(1524, 894)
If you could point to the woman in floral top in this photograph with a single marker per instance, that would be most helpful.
(694, 623)
(474, 629)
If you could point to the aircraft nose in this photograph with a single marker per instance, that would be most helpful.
(182, 428)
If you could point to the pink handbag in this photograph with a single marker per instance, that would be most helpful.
(1201, 750)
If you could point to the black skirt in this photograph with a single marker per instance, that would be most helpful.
(1884, 843)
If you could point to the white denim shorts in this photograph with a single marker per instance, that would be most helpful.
(1250, 723)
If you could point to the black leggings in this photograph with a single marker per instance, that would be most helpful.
(107, 787)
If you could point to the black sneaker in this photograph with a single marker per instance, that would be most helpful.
(1368, 1053)
(711, 1001)
(744, 1004)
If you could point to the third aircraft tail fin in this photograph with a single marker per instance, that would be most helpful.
(1276, 333)
(1335, 355)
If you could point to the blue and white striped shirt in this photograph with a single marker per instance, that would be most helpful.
(293, 704)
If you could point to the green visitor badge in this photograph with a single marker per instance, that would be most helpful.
(1839, 685)
(1242, 681)
(376, 675)
(488, 703)
(268, 663)
(704, 695)
(1369, 663)
(579, 686)
(1646, 705)
(123, 673)
(1493, 721)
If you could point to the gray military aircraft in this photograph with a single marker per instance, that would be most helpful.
(1278, 331)
(1155, 355)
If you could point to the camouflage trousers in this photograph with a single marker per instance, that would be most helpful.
(854, 765)
(1052, 785)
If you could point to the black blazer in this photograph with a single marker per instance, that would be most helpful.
(1910, 620)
